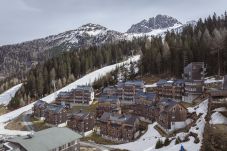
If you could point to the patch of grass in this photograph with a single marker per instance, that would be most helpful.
(3, 110)
(38, 125)
(161, 132)
(97, 139)
(16, 124)
(90, 108)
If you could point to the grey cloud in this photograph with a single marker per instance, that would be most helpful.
(22, 20)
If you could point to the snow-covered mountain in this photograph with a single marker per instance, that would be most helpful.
(88, 34)
(20, 57)
(154, 23)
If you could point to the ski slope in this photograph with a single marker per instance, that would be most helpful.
(87, 79)
(6, 96)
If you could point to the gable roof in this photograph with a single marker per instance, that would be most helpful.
(119, 118)
(54, 108)
(47, 139)
(40, 103)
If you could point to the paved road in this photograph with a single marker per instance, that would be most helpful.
(26, 120)
(90, 144)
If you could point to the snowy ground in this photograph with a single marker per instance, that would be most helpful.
(156, 32)
(6, 96)
(217, 117)
(151, 85)
(144, 143)
(87, 79)
(209, 80)
(148, 141)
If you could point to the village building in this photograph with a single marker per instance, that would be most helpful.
(64, 98)
(55, 114)
(81, 122)
(108, 104)
(109, 91)
(39, 109)
(193, 75)
(147, 98)
(170, 89)
(52, 114)
(51, 139)
(83, 95)
(172, 115)
(143, 111)
(119, 127)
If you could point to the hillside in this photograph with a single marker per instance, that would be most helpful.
(18, 58)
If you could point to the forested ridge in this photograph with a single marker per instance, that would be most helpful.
(206, 42)
(66, 68)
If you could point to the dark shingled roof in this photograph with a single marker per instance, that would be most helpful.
(168, 103)
(55, 108)
(119, 118)
(40, 103)
(79, 114)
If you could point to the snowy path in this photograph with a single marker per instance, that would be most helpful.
(6, 96)
(87, 79)
(144, 143)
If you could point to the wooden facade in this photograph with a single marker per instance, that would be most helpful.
(170, 112)
(51, 113)
(120, 127)
(81, 121)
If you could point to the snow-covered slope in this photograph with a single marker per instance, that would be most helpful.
(218, 118)
(6, 96)
(156, 32)
(88, 34)
(87, 79)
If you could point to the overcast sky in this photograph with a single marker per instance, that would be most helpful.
(22, 20)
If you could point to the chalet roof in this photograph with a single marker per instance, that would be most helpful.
(137, 83)
(47, 139)
(40, 103)
(109, 88)
(84, 88)
(167, 103)
(54, 108)
(172, 82)
(178, 81)
(80, 114)
(119, 118)
(161, 82)
(111, 99)
(148, 95)
(63, 93)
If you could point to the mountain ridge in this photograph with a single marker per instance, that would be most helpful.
(22, 56)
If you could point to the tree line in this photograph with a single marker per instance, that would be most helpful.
(59, 71)
(204, 42)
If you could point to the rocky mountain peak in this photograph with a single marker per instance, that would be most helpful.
(91, 27)
(158, 22)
